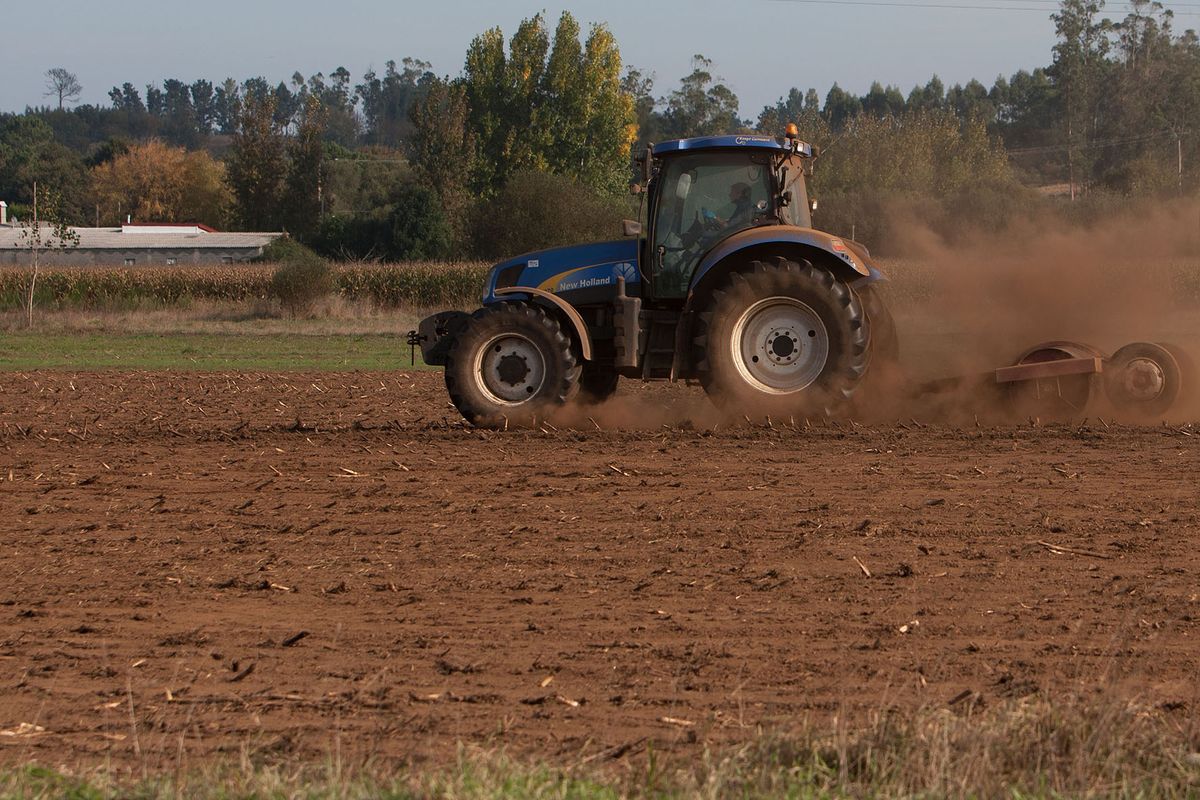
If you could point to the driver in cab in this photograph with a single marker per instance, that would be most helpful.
(709, 227)
(743, 209)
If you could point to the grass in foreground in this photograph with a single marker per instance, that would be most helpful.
(1102, 747)
(207, 352)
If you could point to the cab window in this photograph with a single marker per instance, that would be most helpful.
(704, 198)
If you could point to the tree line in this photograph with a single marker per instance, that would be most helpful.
(531, 143)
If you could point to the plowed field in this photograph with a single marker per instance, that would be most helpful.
(309, 565)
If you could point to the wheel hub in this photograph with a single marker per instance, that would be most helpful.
(510, 369)
(780, 345)
(1144, 379)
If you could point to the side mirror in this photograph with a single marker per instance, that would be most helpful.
(631, 228)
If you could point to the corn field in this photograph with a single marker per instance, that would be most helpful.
(416, 284)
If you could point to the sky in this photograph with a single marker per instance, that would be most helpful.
(760, 48)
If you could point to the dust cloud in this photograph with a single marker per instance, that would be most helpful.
(980, 303)
(965, 308)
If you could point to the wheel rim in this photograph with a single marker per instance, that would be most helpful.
(780, 345)
(510, 368)
(1144, 380)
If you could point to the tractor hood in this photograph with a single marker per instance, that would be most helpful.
(568, 270)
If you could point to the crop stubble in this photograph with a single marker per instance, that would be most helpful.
(302, 565)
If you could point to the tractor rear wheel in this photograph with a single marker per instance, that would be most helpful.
(782, 340)
(510, 365)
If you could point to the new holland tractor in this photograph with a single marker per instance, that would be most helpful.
(722, 281)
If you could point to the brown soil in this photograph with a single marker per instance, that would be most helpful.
(311, 566)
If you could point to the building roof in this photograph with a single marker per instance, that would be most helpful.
(149, 237)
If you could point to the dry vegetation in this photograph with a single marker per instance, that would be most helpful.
(1069, 747)
(412, 284)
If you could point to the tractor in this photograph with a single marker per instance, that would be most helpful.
(722, 281)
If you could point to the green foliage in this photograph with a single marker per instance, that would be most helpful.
(417, 228)
(410, 225)
(442, 151)
(551, 107)
(301, 196)
(257, 166)
(387, 100)
(300, 348)
(30, 153)
(925, 161)
(301, 278)
(702, 105)
(536, 210)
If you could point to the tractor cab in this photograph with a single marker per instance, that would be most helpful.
(704, 190)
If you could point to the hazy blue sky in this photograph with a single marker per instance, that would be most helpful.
(760, 47)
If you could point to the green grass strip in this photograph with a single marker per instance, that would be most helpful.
(204, 352)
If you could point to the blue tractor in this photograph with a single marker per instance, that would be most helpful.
(722, 281)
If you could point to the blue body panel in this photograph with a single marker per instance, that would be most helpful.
(851, 255)
(573, 272)
(740, 142)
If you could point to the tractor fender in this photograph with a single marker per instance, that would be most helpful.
(568, 310)
(837, 248)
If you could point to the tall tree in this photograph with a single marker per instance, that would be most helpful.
(203, 106)
(305, 179)
(484, 82)
(545, 106)
(62, 84)
(257, 165)
(1078, 72)
(702, 105)
(386, 100)
(30, 153)
(608, 123)
(840, 107)
(179, 124)
(339, 101)
(639, 87)
(154, 182)
(441, 148)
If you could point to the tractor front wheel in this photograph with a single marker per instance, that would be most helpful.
(782, 340)
(510, 365)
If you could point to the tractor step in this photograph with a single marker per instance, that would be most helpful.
(659, 354)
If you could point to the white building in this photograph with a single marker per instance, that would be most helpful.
(138, 244)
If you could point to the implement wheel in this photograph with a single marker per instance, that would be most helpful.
(784, 339)
(511, 364)
(1144, 379)
(1061, 398)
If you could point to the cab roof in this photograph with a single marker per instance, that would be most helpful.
(738, 142)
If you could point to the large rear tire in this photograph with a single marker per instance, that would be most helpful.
(511, 365)
(784, 339)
